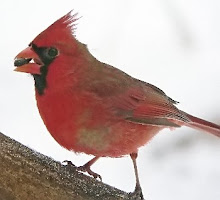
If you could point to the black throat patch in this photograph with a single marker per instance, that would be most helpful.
(47, 56)
(40, 80)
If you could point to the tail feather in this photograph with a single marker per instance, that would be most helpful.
(201, 124)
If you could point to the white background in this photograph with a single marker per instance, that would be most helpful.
(174, 44)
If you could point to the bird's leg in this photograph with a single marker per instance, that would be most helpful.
(138, 190)
(86, 168)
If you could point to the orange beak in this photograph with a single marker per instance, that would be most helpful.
(23, 62)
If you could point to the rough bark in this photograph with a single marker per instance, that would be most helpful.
(26, 174)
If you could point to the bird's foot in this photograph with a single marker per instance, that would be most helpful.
(137, 194)
(69, 163)
(84, 168)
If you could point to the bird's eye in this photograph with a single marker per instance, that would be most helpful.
(52, 52)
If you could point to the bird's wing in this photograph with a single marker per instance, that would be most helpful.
(134, 100)
(148, 105)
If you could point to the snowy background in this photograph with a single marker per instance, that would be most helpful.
(174, 44)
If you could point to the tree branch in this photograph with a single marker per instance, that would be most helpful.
(26, 174)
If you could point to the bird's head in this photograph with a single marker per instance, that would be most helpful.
(52, 48)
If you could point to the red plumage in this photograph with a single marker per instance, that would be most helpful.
(91, 107)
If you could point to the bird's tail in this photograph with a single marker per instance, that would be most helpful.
(203, 125)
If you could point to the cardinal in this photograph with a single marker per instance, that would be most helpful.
(92, 107)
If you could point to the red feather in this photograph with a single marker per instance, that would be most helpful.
(91, 107)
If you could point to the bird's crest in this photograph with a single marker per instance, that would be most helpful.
(61, 30)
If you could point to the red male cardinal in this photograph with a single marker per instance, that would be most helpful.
(92, 107)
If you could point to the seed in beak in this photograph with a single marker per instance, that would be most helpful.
(21, 61)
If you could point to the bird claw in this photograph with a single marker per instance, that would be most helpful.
(87, 169)
(68, 163)
(84, 168)
(137, 194)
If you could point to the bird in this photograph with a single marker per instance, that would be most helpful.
(94, 108)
